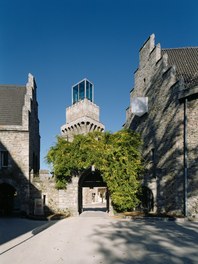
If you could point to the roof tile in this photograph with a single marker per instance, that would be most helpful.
(186, 62)
(11, 104)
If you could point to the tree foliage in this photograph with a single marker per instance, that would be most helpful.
(116, 156)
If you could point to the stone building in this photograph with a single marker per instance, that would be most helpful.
(164, 109)
(19, 145)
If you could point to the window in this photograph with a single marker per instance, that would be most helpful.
(89, 90)
(35, 164)
(153, 155)
(75, 94)
(82, 90)
(4, 159)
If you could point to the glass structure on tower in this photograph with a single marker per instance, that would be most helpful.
(83, 89)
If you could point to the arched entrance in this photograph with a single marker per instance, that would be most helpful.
(147, 199)
(7, 199)
(92, 192)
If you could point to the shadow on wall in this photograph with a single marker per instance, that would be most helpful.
(17, 194)
(146, 199)
(162, 129)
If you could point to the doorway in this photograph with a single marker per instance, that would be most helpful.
(93, 194)
(147, 199)
(7, 199)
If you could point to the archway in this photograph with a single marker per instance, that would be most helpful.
(92, 192)
(147, 199)
(7, 199)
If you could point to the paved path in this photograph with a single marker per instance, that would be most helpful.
(11, 227)
(106, 240)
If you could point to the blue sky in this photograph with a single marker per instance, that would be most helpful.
(64, 41)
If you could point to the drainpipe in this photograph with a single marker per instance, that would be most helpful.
(185, 160)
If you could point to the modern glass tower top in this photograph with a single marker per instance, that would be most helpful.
(83, 89)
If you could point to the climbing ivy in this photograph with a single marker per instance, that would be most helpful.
(115, 155)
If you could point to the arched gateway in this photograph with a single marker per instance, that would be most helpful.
(92, 191)
(8, 195)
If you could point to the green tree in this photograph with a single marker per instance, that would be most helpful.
(115, 155)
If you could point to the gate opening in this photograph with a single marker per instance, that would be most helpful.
(93, 193)
(94, 199)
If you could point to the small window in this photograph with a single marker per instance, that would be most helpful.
(4, 159)
(44, 199)
(153, 155)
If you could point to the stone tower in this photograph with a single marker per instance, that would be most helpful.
(83, 115)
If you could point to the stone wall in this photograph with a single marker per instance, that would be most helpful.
(56, 201)
(81, 109)
(17, 172)
(192, 147)
(81, 118)
(33, 126)
(161, 128)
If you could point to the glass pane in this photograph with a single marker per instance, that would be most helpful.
(82, 90)
(89, 90)
(75, 94)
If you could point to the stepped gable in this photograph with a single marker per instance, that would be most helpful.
(11, 104)
(186, 62)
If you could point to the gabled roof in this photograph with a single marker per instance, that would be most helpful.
(186, 62)
(11, 104)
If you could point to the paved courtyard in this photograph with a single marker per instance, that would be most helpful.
(99, 239)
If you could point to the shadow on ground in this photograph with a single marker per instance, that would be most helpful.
(11, 228)
(148, 242)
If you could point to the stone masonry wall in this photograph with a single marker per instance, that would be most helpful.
(17, 144)
(81, 118)
(34, 139)
(65, 200)
(161, 128)
(192, 142)
(81, 109)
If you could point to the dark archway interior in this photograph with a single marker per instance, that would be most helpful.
(7, 194)
(147, 199)
(91, 179)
